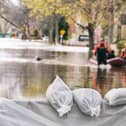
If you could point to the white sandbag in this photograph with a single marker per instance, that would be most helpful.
(116, 96)
(88, 100)
(60, 96)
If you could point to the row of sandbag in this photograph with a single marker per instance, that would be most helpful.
(88, 100)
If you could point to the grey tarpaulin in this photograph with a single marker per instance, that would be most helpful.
(40, 113)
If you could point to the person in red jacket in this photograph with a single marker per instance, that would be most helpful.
(123, 53)
(101, 52)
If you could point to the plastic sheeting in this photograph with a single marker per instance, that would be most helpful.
(40, 113)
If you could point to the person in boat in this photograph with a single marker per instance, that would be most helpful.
(101, 52)
(111, 54)
(123, 53)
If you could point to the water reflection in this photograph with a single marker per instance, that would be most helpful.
(120, 76)
(31, 79)
(100, 80)
(104, 80)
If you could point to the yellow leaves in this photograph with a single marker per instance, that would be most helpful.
(70, 21)
(50, 0)
(64, 10)
(82, 1)
(89, 10)
(48, 7)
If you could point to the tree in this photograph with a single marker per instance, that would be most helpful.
(115, 9)
(5, 22)
(119, 9)
(97, 12)
(14, 15)
(94, 12)
(49, 8)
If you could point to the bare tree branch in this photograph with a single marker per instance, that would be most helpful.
(80, 25)
(8, 21)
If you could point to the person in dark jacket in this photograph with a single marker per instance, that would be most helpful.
(111, 54)
(101, 52)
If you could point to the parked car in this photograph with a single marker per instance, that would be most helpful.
(83, 37)
(45, 38)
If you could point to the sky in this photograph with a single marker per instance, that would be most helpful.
(15, 2)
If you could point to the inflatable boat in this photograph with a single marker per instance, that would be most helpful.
(117, 61)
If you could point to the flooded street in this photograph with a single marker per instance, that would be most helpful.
(21, 76)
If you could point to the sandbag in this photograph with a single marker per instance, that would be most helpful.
(116, 96)
(88, 100)
(60, 96)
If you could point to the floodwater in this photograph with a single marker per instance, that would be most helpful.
(21, 76)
